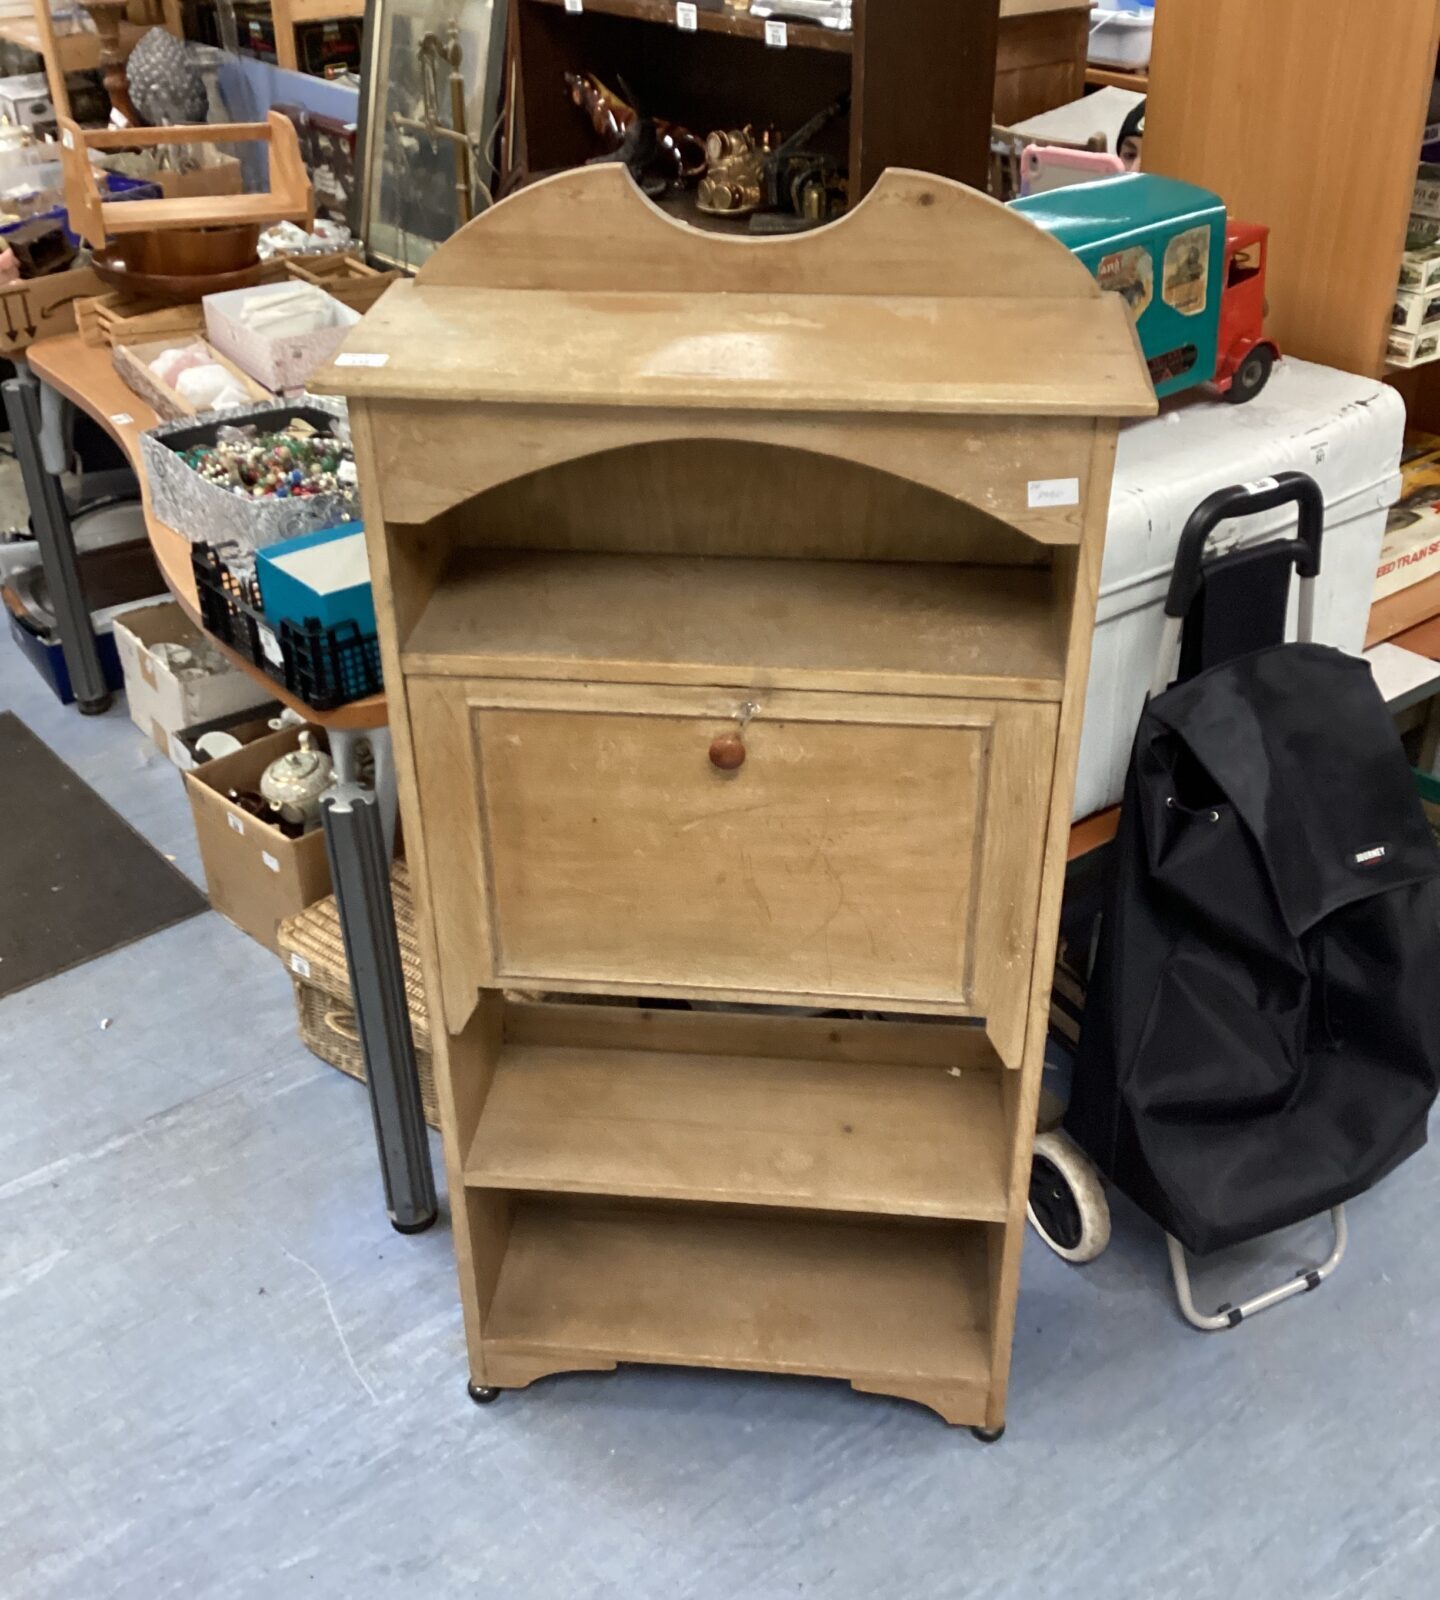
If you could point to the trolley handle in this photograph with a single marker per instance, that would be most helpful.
(1247, 500)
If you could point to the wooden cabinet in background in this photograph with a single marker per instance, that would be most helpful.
(1306, 115)
(736, 640)
(1040, 56)
(920, 75)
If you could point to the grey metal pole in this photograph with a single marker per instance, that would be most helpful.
(51, 520)
(360, 872)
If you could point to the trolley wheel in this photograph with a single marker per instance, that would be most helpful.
(481, 1395)
(1252, 376)
(1067, 1205)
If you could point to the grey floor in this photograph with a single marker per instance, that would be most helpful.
(224, 1375)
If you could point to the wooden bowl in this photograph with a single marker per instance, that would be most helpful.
(110, 269)
(188, 252)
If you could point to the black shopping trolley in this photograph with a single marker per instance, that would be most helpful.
(1261, 1032)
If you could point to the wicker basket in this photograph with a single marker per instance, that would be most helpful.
(314, 954)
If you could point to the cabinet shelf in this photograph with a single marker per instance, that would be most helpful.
(736, 24)
(874, 1138)
(873, 627)
(883, 1306)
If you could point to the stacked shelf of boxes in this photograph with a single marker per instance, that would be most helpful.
(1414, 336)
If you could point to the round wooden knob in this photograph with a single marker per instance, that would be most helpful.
(727, 752)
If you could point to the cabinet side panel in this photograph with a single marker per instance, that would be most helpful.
(939, 54)
(1017, 809)
(448, 785)
(398, 589)
(1024, 1100)
(1234, 92)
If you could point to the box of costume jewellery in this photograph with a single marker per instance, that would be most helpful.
(256, 474)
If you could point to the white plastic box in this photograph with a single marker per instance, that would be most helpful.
(1345, 431)
(281, 362)
(1121, 39)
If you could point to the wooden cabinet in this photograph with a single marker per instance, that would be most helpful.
(1236, 91)
(939, 55)
(852, 858)
(1040, 56)
(735, 600)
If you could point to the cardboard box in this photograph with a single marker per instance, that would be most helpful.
(1415, 313)
(1410, 549)
(247, 726)
(1413, 349)
(282, 362)
(25, 103)
(1427, 190)
(1421, 232)
(1420, 270)
(325, 575)
(255, 876)
(39, 308)
(162, 702)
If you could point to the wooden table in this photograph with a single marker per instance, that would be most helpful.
(357, 838)
(85, 375)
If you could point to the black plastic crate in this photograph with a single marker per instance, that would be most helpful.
(323, 666)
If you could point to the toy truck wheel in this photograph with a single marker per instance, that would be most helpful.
(1067, 1205)
(1252, 376)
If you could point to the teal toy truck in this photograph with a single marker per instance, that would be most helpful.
(1194, 279)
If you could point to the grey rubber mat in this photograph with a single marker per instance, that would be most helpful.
(76, 879)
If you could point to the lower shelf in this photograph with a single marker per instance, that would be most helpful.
(926, 1140)
(895, 1308)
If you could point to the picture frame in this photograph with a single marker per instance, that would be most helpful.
(408, 194)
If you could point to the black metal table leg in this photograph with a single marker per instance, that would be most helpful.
(51, 521)
(360, 871)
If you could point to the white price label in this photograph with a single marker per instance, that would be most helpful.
(686, 17)
(363, 358)
(68, 139)
(121, 419)
(299, 964)
(1260, 485)
(575, 7)
(1054, 492)
(270, 645)
(775, 35)
(270, 861)
(234, 822)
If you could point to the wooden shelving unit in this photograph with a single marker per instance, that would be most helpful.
(291, 14)
(734, 24)
(736, 639)
(939, 53)
(1234, 91)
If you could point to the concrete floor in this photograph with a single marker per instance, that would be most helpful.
(226, 1376)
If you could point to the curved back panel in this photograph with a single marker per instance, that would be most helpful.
(719, 497)
(913, 234)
